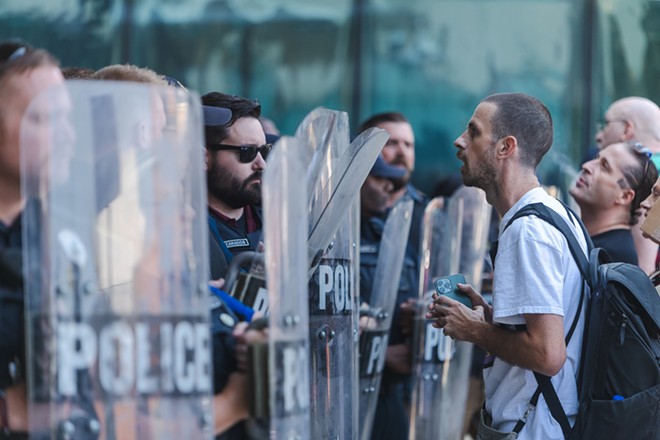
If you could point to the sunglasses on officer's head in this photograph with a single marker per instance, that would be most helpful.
(246, 153)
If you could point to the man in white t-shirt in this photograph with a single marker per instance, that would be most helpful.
(537, 284)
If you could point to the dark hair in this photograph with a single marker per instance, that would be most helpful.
(19, 57)
(73, 72)
(525, 118)
(240, 108)
(380, 118)
(639, 177)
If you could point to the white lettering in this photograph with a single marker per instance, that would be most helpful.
(437, 346)
(116, 366)
(325, 284)
(261, 301)
(377, 354)
(145, 383)
(295, 390)
(166, 337)
(76, 347)
(121, 356)
(184, 371)
(340, 288)
(203, 357)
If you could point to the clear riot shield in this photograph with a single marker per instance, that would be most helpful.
(333, 257)
(376, 320)
(285, 239)
(455, 234)
(116, 263)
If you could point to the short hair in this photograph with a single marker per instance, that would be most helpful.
(17, 57)
(639, 177)
(129, 72)
(525, 118)
(73, 72)
(240, 108)
(380, 118)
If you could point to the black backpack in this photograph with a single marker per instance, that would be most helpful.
(619, 375)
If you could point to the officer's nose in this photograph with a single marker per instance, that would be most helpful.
(259, 163)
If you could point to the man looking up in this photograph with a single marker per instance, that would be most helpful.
(24, 73)
(627, 119)
(536, 282)
(609, 191)
(235, 160)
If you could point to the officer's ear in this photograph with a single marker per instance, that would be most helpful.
(207, 159)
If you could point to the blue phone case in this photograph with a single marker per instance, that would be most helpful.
(447, 286)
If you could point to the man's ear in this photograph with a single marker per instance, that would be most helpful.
(628, 130)
(507, 147)
(626, 197)
(207, 159)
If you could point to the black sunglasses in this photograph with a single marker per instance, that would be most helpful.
(246, 153)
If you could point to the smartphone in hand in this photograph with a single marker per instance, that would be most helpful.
(447, 286)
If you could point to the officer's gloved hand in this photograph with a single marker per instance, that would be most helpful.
(246, 335)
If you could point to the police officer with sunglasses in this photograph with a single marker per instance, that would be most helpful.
(236, 154)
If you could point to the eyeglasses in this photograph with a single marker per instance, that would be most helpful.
(246, 153)
(602, 123)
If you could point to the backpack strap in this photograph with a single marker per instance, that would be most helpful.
(545, 385)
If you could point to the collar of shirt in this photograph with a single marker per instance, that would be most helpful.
(250, 220)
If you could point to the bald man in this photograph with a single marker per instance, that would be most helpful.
(638, 119)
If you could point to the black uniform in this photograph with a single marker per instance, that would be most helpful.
(390, 421)
(230, 238)
(227, 239)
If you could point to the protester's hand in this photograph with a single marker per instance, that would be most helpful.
(245, 336)
(398, 358)
(456, 320)
(477, 300)
(408, 311)
(218, 284)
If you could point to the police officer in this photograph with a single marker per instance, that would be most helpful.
(24, 73)
(235, 160)
(399, 151)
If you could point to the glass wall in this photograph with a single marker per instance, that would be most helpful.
(433, 60)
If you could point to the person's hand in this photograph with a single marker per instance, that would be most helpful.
(231, 405)
(406, 320)
(477, 300)
(456, 320)
(218, 284)
(398, 358)
(245, 336)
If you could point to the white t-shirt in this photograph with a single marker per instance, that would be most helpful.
(534, 273)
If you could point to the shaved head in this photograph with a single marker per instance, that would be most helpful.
(632, 118)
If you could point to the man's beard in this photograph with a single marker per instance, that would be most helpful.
(482, 176)
(402, 181)
(225, 187)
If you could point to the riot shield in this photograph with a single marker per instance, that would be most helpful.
(115, 263)
(377, 320)
(455, 234)
(333, 260)
(285, 239)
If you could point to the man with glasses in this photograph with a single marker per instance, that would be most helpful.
(235, 160)
(609, 190)
(627, 119)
